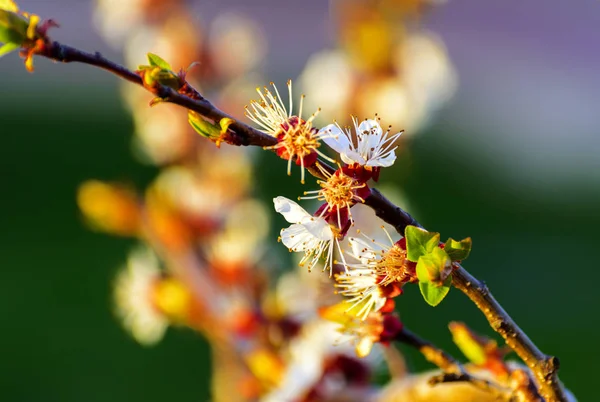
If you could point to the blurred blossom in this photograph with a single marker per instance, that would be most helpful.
(109, 207)
(183, 190)
(384, 63)
(300, 294)
(163, 134)
(133, 297)
(328, 79)
(240, 244)
(237, 44)
(306, 364)
(221, 59)
(117, 18)
(177, 40)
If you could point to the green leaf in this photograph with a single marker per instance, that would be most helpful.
(13, 27)
(203, 127)
(7, 48)
(434, 267)
(157, 61)
(419, 242)
(458, 250)
(434, 294)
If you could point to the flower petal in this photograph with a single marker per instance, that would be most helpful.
(365, 251)
(385, 161)
(319, 228)
(291, 211)
(336, 138)
(298, 238)
(349, 157)
(370, 127)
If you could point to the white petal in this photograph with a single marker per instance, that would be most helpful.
(371, 127)
(349, 157)
(337, 140)
(291, 211)
(386, 161)
(319, 228)
(364, 251)
(364, 346)
(298, 238)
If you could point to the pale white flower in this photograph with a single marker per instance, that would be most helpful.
(133, 297)
(377, 265)
(297, 139)
(309, 234)
(240, 243)
(364, 293)
(307, 356)
(373, 147)
(270, 112)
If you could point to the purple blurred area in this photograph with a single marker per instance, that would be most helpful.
(528, 97)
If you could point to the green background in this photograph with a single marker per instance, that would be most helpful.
(60, 341)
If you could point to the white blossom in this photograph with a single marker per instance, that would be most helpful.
(373, 147)
(309, 234)
(133, 291)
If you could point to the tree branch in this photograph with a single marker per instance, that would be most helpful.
(544, 367)
(246, 135)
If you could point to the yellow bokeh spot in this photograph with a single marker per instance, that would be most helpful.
(9, 5)
(341, 313)
(172, 299)
(265, 366)
(364, 346)
(109, 207)
(467, 344)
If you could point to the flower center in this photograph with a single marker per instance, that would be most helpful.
(339, 191)
(297, 137)
(392, 267)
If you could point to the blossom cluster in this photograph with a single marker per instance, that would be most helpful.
(369, 274)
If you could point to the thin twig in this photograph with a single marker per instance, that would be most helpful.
(543, 366)
(453, 371)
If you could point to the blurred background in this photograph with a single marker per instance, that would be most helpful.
(510, 158)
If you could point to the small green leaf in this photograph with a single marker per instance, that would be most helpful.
(203, 127)
(458, 250)
(157, 61)
(7, 48)
(434, 267)
(419, 242)
(13, 27)
(434, 294)
(169, 79)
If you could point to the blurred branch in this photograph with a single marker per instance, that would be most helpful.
(543, 366)
(453, 371)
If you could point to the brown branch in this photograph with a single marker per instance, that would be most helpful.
(544, 367)
(246, 135)
(453, 371)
